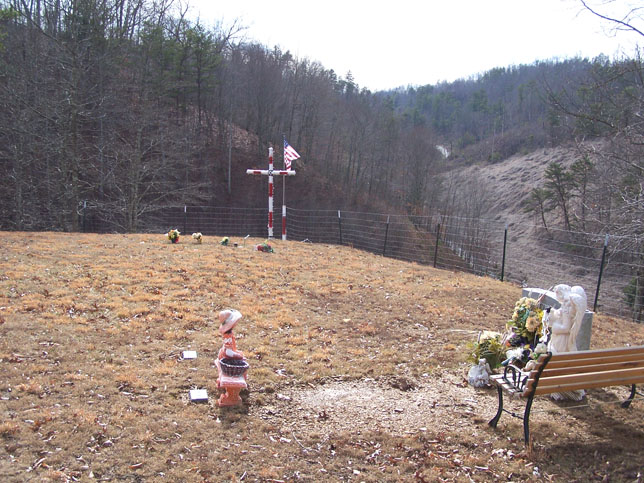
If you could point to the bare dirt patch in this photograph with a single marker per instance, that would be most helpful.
(390, 405)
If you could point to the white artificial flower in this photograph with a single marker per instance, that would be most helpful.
(515, 353)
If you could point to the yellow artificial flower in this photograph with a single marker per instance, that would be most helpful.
(532, 323)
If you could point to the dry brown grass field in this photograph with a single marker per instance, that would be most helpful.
(357, 369)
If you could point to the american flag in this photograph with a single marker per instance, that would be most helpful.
(290, 154)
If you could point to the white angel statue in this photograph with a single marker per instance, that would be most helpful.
(565, 323)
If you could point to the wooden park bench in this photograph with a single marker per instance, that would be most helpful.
(570, 371)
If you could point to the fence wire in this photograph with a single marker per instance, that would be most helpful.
(610, 269)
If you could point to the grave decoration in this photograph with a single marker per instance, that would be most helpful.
(565, 323)
(270, 172)
(198, 395)
(571, 301)
(232, 366)
(264, 247)
(489, 346)
(551, 323)
(224, 241)
(525, 329)
(173, 235)
(479, 375)
(197, 237)
(523, 341)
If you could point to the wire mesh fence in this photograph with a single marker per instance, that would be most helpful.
(609, 268)
(609, 271)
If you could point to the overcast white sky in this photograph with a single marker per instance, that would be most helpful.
(406, 42)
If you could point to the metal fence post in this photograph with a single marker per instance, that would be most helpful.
(505, 242)
(601, 271)
(340, 226)
(185, 219)
(384, 248)
(84, 217)
(438, 234)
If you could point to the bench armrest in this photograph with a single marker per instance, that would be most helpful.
(515, 377)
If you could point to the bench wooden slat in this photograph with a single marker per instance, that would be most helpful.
(498, 379)
(550, 372)
(585, 360)
(597, 353)
(570, 386)
(576, 384)
(605, 376)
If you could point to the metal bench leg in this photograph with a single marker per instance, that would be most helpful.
(628, 402)
(526, 421)
(495, 419)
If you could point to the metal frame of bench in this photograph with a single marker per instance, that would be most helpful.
(570, 371)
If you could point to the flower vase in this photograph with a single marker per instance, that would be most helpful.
(175, 240)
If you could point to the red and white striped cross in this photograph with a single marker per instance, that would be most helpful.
(270, 172)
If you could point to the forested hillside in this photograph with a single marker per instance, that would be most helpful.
(505, 108)
(127, 106)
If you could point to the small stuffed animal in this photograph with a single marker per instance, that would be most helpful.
(479, 375)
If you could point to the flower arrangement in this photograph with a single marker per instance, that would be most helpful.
(173, 235)
(197, 237)
(522, 342)
(490, 347)
(524, 337)
(525, 324)
(264, 247)
(523, 356)
(224, 241)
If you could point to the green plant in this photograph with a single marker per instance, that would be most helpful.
(491, 349)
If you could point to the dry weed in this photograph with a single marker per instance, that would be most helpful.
(8, 429)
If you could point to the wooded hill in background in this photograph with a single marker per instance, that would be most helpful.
(127, 105)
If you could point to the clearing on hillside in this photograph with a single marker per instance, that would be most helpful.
(357, 369)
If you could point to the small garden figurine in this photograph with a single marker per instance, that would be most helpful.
(173, 235)
(197, 237)
(228, 320)
(231, 363)
(479, 375)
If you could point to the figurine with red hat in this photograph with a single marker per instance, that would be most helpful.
(231, 363)
(228, 319)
